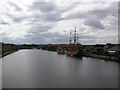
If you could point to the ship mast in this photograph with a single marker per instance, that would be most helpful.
(70, 40)
(75, 36)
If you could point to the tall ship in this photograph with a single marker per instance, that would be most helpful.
(61, 49)
(73, 49)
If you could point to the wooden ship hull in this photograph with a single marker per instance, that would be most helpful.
(74, 51)
(74, 54)
(61, 52)
(61, 49)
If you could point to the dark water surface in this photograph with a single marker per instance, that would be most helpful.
(44, 69)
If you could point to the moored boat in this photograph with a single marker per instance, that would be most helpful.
(61, 49)
(74, 50)
(71, 49)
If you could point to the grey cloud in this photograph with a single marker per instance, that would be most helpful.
(37, 29)
(39, 38)
(77, 15)
(17, 8)
(4, 23)
(18, 18)
(56, 38)
(102, 13)
(86, 37)
(54, 16)
(49, 9)
(43, 6)
(51, 17)
(51, 14)
(94, 23)
(97, 13)
(93, 18)
(70, 7)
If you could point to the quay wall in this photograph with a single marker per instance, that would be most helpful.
(6, 49)
(110, 58)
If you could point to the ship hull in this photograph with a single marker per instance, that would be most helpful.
(74, 54)
(58, 52)
(61, 50)
(71, 50)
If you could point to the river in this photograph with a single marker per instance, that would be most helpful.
(45, 69)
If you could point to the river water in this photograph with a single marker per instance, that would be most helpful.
(44, 69)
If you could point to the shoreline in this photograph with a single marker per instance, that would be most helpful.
(103, 57)
(107, 58)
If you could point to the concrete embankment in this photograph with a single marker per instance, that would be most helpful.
(6, 49)
(111, 58)
(7, 53)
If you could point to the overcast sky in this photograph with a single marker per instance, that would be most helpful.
(48, 21)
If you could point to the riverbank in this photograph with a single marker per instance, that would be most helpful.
(110, 58)
(7, 53)
(107, 58)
